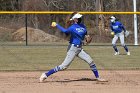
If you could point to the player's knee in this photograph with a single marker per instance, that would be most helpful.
(123, 44)
(89, 60)
(62, 67)
(113, 44)
(92, 63)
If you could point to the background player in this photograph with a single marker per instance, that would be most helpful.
(77, 30)
(118, 30)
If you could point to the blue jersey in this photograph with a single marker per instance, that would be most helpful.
(117, 27)
(77, 32)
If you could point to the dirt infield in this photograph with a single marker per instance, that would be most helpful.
(71, 82)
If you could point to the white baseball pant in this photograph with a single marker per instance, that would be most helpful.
(118, 35)
(72, 52)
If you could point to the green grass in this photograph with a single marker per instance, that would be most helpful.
(46, 57)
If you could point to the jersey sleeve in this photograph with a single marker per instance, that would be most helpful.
(62, 29)
(111, 27)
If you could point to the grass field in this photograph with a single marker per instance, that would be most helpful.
(21, 67)
(35, 58)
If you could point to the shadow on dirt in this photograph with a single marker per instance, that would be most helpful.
(73, 80)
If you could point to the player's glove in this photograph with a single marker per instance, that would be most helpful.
(88, 39)
(126, 33)
(53, 24)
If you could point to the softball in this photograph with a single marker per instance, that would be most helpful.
(112, 33)
(53, 24)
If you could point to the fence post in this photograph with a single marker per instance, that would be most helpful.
(26, 24)
(135, 23)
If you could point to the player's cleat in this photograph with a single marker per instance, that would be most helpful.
(116, 53)
(101, 80)
(128, 53)
(42, 77)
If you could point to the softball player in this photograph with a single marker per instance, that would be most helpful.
(119, 31)
(77, 31)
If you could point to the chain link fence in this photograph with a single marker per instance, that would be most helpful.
(13, 29)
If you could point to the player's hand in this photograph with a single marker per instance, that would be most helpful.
(53, 24)
(112, 33)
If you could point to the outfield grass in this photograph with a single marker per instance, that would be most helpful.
(46, 57)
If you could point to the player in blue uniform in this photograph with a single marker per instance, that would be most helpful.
(78, 32)
(118, 31)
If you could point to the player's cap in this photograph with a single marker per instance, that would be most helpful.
(76, 16)
(112, 17)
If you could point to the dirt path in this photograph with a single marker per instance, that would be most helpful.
(70, 82)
